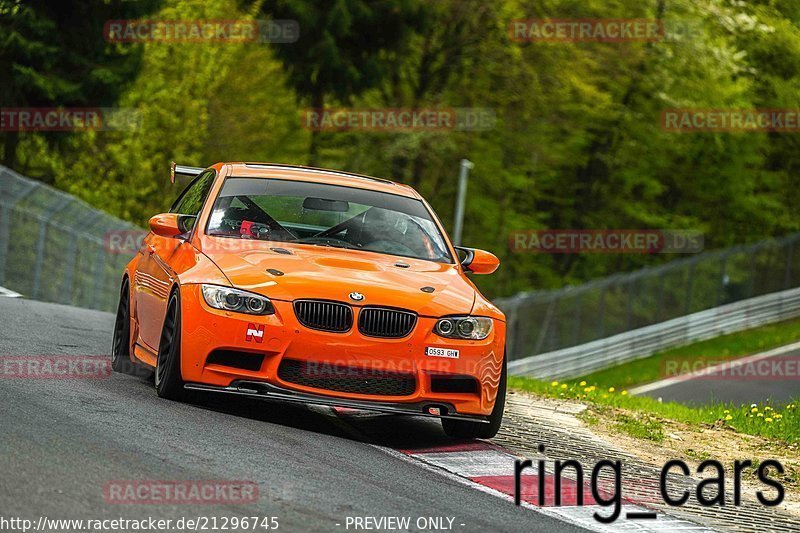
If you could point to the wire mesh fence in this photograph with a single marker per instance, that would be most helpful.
(545, 321)
(53, 246)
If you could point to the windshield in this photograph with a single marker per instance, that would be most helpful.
(326, 215)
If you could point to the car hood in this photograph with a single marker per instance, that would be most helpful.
(327, 273)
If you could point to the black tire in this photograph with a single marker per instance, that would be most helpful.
(121, 345)
(168, 379)
(462, 429)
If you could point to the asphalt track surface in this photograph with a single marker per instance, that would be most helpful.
(63, 440)
(735, 385)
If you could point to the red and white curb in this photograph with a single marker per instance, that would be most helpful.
(490, 468)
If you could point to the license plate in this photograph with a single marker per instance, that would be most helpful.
(430, 351)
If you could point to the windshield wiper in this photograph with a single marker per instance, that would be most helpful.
(331, 242)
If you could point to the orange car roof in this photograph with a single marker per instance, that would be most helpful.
(319, 175)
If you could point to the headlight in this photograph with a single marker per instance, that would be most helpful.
(229, 299)
(464, 327)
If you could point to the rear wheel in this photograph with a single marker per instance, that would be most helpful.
(121, 346)
(168, 379)
(462, 429)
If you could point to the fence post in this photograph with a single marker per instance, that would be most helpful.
(100, 276)
(660, 297)
(512, 318)
(576, 331)
(548, 316)
(5, 217)
(90, 224)
(752, 284)
(723, 267)
(37, 267)
(601, 307)
(689, 283)
(629, 304)
(69, 268)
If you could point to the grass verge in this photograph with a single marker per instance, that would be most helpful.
(713, 350)
(762, 420)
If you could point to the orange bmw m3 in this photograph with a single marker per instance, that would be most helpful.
(314, 286)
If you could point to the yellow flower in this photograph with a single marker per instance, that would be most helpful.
(563, 385)
(778, 415)
(754, 410)
(767, 420)
(611, 389)
(760, 414)
(729, 417)
(582, 383)
(768, 408)
(624, 393)
(554, 384)
(726, 411)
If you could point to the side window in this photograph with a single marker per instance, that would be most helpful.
(191, 200)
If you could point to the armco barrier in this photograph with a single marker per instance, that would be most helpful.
(547, 321)
(638, 343)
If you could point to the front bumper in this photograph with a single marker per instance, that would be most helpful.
(268, 391)
(206, 329)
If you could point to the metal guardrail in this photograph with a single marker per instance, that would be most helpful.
(636, 344)
(543, 323)
(53, 248)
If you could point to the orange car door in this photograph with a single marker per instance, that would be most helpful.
(152, 289)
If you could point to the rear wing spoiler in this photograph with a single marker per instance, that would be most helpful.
(182, 170)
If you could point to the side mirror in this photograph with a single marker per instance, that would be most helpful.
(478, 261)
(170, 225)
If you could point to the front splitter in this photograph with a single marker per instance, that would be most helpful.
(268, 391)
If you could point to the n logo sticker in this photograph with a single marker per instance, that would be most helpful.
(255, 332)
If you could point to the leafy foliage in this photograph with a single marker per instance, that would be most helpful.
(54, 54)
(578, 140)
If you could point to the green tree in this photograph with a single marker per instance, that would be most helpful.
(342, 48)
(199, 103)
(54, 54)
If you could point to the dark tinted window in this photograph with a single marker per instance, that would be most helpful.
(191, 200)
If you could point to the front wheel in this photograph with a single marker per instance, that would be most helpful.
(462, 429)
(168, 379)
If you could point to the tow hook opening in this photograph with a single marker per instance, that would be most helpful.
(436, 410)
